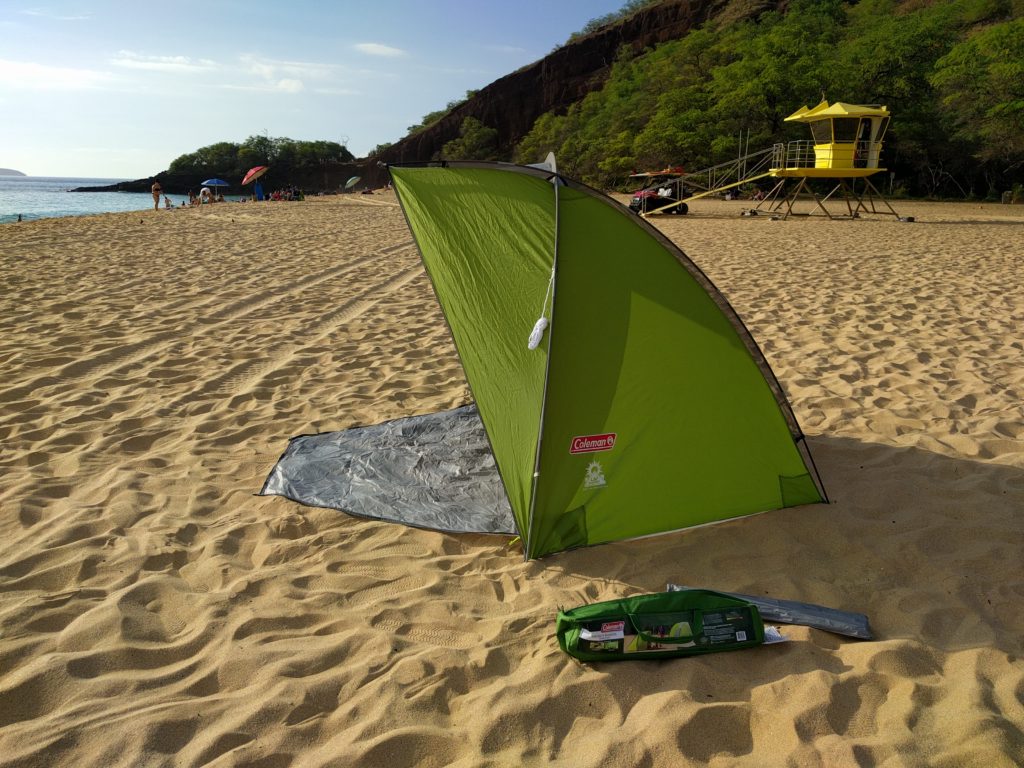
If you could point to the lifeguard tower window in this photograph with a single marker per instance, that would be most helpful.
(821, 130)
(863, 148)
(845, 129)
(882, 125)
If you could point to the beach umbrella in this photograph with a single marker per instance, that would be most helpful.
(352, 182)
(254, 173)
(215, 183)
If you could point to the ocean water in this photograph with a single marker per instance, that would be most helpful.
(44, 197)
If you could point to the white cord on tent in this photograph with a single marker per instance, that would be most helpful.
(538, 328)
(537, 333)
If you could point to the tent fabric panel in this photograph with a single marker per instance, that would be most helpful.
(641, 350)
(487, 241)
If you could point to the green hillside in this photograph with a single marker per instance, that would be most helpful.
(951, 72)
(287, 156)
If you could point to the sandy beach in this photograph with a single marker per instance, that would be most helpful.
(155, 611)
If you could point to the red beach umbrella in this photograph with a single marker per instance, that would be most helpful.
(254, 173)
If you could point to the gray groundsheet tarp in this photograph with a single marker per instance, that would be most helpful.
(435, 471)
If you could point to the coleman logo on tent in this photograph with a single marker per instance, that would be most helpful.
(592, 443)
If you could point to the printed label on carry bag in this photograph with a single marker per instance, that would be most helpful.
(610, 630)
(727, 627)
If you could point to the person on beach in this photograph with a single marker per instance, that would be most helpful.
(157, 190)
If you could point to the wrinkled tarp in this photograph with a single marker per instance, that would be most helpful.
(434, 471)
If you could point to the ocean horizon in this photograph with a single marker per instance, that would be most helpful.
(47, 197)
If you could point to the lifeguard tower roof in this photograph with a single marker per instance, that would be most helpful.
(825, 111)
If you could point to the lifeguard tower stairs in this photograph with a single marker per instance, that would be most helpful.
(845, 147)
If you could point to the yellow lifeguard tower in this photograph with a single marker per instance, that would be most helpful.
(846, 144)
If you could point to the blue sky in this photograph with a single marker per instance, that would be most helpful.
(119, 89)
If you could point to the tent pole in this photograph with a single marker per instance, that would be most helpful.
(528, 538)
(805, 452)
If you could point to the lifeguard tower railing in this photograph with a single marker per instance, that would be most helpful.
(839, 157)
(778, 160)
(796, 154)
(801, 159)
(720, 178)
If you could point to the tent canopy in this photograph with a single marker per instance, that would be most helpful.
(617, 393)
(647, 406)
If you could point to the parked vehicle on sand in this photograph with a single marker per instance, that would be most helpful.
(647, 200)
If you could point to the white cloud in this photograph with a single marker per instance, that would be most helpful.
(285, 85)
(47, 14)
(290, 85)
(29, 75)
(175, 64)
(338, 91)
(287, 76)
(272, 69)
(376, 49)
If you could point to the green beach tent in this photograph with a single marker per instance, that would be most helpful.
(621, 394)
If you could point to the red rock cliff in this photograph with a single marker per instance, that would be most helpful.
(512, 104)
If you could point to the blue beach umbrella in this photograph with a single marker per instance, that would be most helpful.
(215, 183)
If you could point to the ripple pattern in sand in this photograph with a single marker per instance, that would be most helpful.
(155, 612)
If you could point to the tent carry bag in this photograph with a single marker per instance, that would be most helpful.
(659, 626)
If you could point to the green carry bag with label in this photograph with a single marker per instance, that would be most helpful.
(659, 626)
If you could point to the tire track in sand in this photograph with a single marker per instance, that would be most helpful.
(240, 378)
(115, 360)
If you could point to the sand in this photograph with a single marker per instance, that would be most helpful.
(154, 611)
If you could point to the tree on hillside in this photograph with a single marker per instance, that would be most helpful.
(886, 57)
(981, 82)
(548, 134)
(476, 142)
(229, 160)
(212, 159)
(779, 64)
(256, 150)
(432, 117)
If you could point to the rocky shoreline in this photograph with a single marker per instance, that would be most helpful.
(320, 179)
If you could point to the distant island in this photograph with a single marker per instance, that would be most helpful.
(11, 172)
